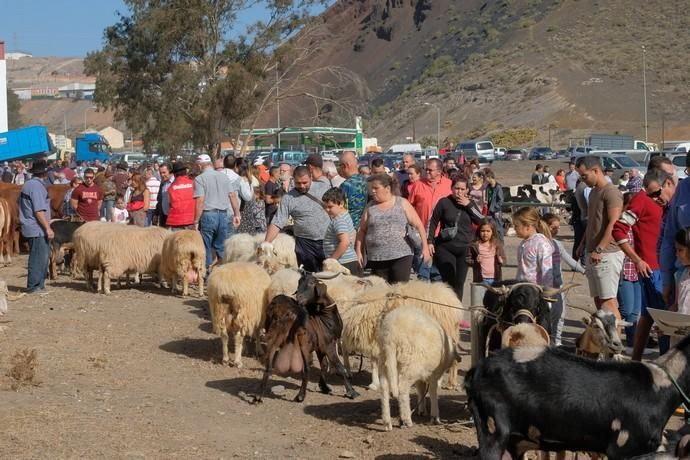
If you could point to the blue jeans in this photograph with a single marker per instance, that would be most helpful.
(231, 227)
(424, 271)
(39, 249)
(213, 227)
(107, 209)
(651, 298)
(629, 304)
(149, 217)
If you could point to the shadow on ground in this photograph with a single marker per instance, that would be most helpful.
(367, 413)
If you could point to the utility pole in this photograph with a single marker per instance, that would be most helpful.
(549, 135)
(644, 86)
(438, 124)
(278, 102)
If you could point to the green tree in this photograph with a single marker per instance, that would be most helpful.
(181, 70)
(14, 117)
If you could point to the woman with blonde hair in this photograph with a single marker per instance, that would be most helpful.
(535, 253)
(139, 199)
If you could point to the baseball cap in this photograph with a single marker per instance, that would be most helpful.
(203, 158)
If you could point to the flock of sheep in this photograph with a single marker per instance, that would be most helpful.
(253, 272)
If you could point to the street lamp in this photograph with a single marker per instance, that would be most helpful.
(438, 124)
(644, 86)
(86, 110)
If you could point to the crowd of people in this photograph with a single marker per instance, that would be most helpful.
(438, 219)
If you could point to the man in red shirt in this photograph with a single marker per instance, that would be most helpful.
(424, 196)
(429, 190)
(87, 198)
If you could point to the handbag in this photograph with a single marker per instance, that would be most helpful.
(449, 233)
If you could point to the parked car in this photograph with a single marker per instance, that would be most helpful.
(679, 161)
(513, 155)
(482, 150)
(619, 164)
(500, 153)
(541, 153)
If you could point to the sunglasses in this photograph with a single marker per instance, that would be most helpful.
(88, 177)
(654, 195)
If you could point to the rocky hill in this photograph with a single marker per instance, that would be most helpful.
(493, 66)
(522, 65)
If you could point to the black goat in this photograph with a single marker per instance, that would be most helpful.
(296, 328)
(515, 302)
(547, 399)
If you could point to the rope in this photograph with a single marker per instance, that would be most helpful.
(686, 400)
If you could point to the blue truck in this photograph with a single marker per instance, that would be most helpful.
(31, 141)
(90, 147)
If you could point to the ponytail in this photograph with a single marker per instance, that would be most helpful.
(544, 229)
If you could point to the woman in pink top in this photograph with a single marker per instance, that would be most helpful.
(486, 254)
(534, 261)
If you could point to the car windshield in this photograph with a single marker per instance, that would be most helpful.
(627, 162)
(679, 160)
(543, 149)
(513, 152)
(484, 146)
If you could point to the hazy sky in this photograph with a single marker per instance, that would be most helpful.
(64, 28)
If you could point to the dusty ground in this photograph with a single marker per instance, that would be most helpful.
(137, 375)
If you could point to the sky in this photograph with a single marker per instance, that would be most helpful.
(62, 28)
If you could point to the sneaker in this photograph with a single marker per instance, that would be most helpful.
(37, 291)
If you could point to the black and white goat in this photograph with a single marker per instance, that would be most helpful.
(551, 400)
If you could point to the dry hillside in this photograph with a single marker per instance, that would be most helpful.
(490, 65)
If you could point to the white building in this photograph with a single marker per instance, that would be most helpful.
(77, 91)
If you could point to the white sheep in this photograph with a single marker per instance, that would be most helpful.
(284, 282)
(143, 254)
(237, 296)
(183, 258)
(243, 247)
(414, 350)
(361, 321)
(116, 250)
(278, 254)
(240, 247)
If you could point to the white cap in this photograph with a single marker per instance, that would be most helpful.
(203, 158)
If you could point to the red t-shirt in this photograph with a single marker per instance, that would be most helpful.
(87, 201)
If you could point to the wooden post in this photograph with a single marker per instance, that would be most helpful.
(476, 300)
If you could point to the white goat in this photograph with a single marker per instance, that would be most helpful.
(414, 350)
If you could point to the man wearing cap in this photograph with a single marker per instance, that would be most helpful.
(212, 194)
(180, 198)
(34, 216)
(303, 204)
(121, 178)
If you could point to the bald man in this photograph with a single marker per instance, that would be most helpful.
(354, 187)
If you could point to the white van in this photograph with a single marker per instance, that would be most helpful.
(482, 150)
(404, 148)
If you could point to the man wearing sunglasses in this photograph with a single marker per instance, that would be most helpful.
(87, 198)
(677, 217)
(644, 216)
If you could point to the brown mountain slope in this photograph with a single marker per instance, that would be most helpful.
(492, 65)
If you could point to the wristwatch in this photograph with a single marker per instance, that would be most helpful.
(598, 250)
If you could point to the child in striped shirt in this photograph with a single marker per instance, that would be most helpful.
(338, 243)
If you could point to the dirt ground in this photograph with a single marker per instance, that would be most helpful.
(137, 375)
